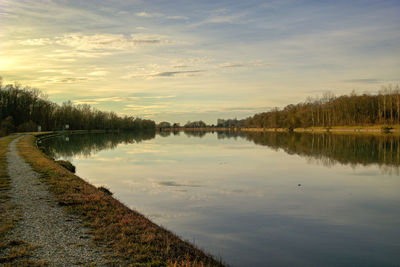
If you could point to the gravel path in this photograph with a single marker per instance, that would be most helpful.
(61, 238)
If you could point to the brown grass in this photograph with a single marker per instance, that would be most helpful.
(130, 238)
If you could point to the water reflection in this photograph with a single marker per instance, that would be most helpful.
(237, 195)
(326, 149)
(330, 149)
(88, 144)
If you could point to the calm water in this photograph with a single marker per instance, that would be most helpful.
(257, 199)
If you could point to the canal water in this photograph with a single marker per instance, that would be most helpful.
(255, 199)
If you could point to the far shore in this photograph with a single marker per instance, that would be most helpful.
(376, 129)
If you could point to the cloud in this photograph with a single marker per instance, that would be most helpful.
(150, 97)
(172, 183)
(164, 74)
(149, 15)
(174, 73)
(58, 79)
(370, 80)
(58, 71)
(144, 14)
(96, 101)
(256, 63)
(98, 73)
(109, 41)
(36, 42)
(109, 99)
(232, 65)
(81, 102)
(80, 41)
(71, 55)
(72, 79)
(128, 99)
(221, 18)
(160, 97)
(143, 108)
(247, 109)
(177, 17)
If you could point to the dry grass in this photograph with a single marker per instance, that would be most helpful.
(131, 238)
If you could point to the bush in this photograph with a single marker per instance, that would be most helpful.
(28, 126)
(66, 164)
(7, 126)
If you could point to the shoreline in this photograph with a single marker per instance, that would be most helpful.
(378, 129)
(128, 236)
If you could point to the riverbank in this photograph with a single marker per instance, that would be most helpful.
(129, 238)
(376, 129)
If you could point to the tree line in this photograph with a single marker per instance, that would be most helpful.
(189, 124)
(382, 108)
(25, 109)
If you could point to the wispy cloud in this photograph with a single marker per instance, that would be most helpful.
(149, 15)
(172, 183)
(144, 108)
(127, 99)
(110, 99)
(164, 74)
(367, 80)
(83, 101)
(177, 17)
(60, 79)
(247, 109)
(145, 14)
(100, 41)
(36, 42)
(257, 63)
(151, 97)
(56, 71)
(224, 19)
(98, 73)
(174, 73)
(221, 16)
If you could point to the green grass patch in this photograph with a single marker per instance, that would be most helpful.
(130, 238)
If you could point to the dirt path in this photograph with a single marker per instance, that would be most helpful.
(61, 238)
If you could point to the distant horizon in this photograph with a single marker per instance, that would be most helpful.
(180, 61)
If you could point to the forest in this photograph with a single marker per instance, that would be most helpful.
(24, 109)
(382, 108)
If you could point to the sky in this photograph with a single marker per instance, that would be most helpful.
(182, 61)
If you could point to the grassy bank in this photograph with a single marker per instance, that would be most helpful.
(128, 237)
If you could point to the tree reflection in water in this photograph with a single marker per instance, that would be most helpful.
(323, 148)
